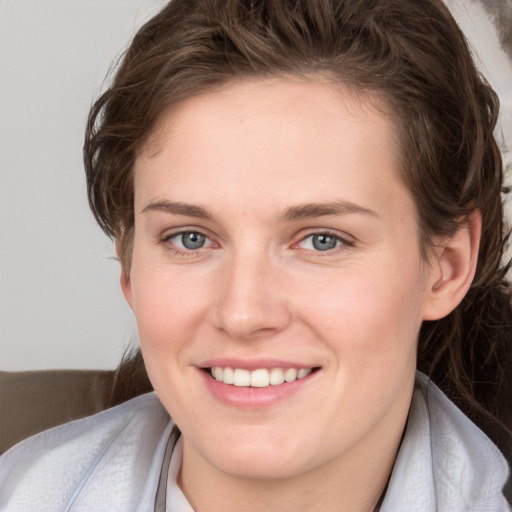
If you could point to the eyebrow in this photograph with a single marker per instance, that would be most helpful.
(311, 210)
(292, 213)
(176, 208)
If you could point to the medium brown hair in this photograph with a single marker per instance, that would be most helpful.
(409, 52)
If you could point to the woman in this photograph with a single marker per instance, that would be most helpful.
(305, 198)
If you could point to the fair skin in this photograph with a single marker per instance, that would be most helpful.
(273, 232)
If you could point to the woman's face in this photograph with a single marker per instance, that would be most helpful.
(275, 240)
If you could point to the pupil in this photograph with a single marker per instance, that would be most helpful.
(193, 240)
(324, 242)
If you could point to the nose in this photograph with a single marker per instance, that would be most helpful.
(252, 301)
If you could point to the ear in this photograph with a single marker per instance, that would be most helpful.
(453, 268)
(126, 285)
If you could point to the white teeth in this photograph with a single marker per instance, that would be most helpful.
(290, 374)
(276, 376)
(242, 377)
(260, 378)
(303, 372)
(229, 376)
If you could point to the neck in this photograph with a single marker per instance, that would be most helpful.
(351, 483)
(352, 480)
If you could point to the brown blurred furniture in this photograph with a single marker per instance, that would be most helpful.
(33, 401)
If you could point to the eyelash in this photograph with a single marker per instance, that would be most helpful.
(166, 241)
(342, 242)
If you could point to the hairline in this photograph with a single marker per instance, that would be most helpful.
(373, 98)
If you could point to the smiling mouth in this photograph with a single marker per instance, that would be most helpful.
(260, 378)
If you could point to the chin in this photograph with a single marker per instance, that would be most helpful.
(258, 459)
(260, 468)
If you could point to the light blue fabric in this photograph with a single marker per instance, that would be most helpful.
(112, 462)
(107, 462)
(445, 463)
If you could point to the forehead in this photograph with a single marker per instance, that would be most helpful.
(306, 138)
(283, 94)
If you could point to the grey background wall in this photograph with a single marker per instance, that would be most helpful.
(60, 304)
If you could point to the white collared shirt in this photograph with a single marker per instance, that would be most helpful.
(112, 461)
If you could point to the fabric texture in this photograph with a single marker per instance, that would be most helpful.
(113, 461)
(445, 463)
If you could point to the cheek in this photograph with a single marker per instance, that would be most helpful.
(165, 308)
(168, 312)
(368, 314)
(170, 305)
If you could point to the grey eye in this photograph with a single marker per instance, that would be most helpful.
(324, 242)
(192, 240)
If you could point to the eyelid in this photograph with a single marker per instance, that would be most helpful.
(165, 239)
(345, 239)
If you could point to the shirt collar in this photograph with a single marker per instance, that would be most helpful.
(445, 461)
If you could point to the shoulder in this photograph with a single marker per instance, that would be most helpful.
(467, 464)
(445, 461)
(53, 466)
(454, 434)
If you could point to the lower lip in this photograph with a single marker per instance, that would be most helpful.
(254, 398)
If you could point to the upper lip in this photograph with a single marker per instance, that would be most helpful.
(254, 364)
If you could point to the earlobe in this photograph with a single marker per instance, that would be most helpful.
(126, 286)
(453, 268)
